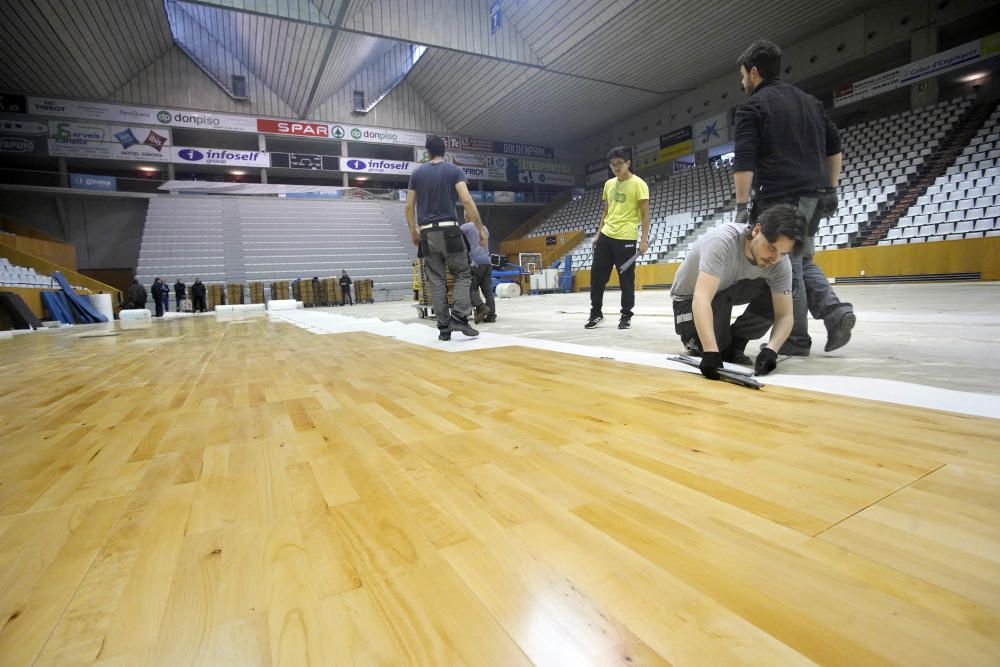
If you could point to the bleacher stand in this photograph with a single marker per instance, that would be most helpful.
(19, 276)
(677, 206)
(223, 239)
(962, 203)
(880, 157)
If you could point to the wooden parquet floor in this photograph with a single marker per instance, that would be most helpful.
(248, 493)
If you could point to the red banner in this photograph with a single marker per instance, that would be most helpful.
(295, 127)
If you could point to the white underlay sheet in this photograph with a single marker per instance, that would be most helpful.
(891, 391)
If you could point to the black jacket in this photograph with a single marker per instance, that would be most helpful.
(159, 290)
(784, 136)
(136, 295)
(198, 291)
(180, 290)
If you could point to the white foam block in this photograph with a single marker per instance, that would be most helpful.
(135, 314)
(281, 304)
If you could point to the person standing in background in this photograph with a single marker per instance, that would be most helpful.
(345, 288)
(180, 293)
(160, 291)
(198, 294)
(616, 243)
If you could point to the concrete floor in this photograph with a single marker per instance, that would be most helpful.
(940, 335)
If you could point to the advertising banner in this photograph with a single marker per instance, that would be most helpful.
(547, 179)
(90, 182)
(502, 147)
(918, 70)
(546, 166)
(504, 196)
(647, 153)
(711, 131)
(68, 139)
(597, 172)
(115, 142)
(377, 166)
(219, 156)
(23, 137)
(296, 128)
(675, 144)
(484, 173)
(116, 113)
(140, 143)
(376, 135)
(13, 104)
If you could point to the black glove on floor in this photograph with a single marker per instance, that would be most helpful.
(766, 362)
(711, 362)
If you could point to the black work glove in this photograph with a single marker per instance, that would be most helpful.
(711, 362)
(742, 214)
(766, 362)
(826, 204)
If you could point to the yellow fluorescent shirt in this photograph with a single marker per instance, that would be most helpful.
(624, 217)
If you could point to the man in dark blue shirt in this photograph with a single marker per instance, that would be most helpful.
(434, 229)
(788, 150)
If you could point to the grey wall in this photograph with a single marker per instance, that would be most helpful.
(872, 32)
(105, 231)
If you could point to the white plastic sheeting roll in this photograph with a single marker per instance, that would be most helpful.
(102, 304)
(135, 314)
(508, 290)
(281, 304)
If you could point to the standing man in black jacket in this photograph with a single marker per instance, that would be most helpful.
(160, 292)
(180, 293)
(345, 288)
(198, 293)
(788, 152)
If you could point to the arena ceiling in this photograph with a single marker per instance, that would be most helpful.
(553, 72)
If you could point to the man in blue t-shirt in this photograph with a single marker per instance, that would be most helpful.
(434, 229)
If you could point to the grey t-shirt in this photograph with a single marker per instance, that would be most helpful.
(720, 253)
(434, 184)
(477, 253)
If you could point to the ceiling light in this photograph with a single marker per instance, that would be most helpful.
(973, 77)
(237, 172)
(149, 170)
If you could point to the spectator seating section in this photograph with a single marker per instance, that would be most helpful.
(677, 206)
(231, 239)
(880, 157)
(962, 203)
(19, 276)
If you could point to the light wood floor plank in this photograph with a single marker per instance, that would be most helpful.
(269, 496)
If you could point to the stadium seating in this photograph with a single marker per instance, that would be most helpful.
(962, 203)
(237, 239)
(677, 206)
(19, 276)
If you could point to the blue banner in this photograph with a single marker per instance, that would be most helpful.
(89, 182)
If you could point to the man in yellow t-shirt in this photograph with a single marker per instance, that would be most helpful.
(626, 208)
